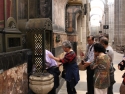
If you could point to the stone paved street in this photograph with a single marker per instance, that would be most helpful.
(81, 86)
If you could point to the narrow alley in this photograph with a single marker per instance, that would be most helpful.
(81, 86)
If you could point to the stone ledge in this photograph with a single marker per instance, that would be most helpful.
(75, 2)
(12, 59)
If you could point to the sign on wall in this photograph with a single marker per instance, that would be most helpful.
(105, 26)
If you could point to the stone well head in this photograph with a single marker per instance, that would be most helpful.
(39, 37)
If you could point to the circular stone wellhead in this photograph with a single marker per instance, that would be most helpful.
(41, 83)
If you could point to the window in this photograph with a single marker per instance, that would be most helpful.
(14, 42)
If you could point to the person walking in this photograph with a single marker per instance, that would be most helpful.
(101, 67)
(70, 68)
(88, 59)
(110, 53)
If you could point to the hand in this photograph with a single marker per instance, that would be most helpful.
(118, 67)
(86, 64)
(82, 62)
(59, 64)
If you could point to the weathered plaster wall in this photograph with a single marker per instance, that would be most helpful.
(58, 14)
(58, 23)
(111, 23)
(63, 37)
(119, 27)
(14, 80)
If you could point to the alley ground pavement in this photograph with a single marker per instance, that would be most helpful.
(81, 86)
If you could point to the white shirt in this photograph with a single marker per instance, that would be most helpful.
(49, 61)
(90, 54)
(110, 53)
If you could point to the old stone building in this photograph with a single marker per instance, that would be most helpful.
(20, 19)
(104, 17)
(111, 22)
(98, 19)
(119, 24)
(112, 16)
